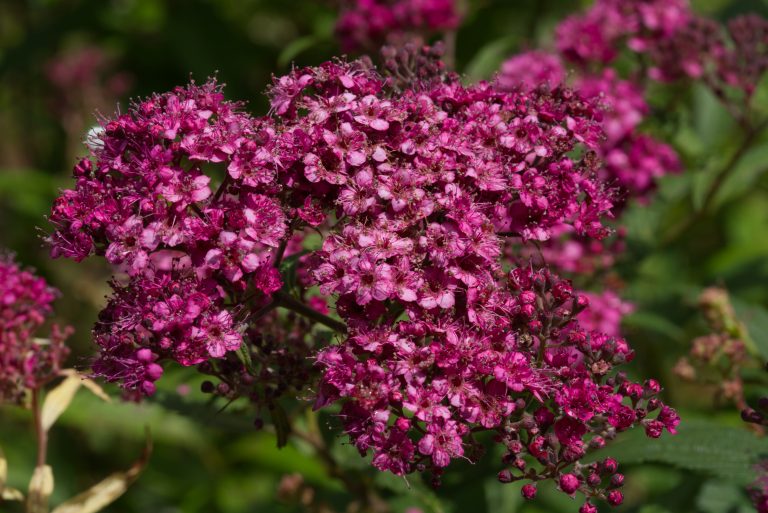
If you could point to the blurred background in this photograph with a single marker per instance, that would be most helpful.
(65, 62)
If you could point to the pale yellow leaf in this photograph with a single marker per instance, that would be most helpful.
(3, 469)
(90, 384)
(58, 399)
(40, 490)
(11, 494)
(107, 491)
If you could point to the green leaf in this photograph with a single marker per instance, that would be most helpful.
(502, 498)
(650, 321)
(719, 497)
(755, 317)
(744, 175)
(282, 425)
(244, 355)
(700, 446)
(489, 58)
(295, 48)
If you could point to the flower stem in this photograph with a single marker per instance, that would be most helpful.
(42, 435)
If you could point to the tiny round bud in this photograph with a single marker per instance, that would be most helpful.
(528, 491)
(207, 387)
(258, 423)
(617, 480)
(609, 466)
(569, 483)
(505, 476)
(588, 508)
(615, 498)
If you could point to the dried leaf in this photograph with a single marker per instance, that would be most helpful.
(107, 491)
(58, 399)
(11, 494)
(90, 384)
(40, 490)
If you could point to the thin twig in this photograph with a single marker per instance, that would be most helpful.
(715, 186)
(300, 308)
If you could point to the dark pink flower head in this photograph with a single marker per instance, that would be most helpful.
(605, 313)
(26, 362)
(413, 186)
(730, 58)
(530, 70)
(367, 24)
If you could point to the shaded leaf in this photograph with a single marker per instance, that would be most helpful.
(40, 490)
(755, 317)
(700, 446)
(282, 425)
(58, 400)
(489, 58)
(719, 497)
(296, 47)
(109, 490)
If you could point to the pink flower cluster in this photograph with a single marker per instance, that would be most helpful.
(734, 56)
(597, 35)
(26, 363)
(632, 160)
(368, 24)
(414, 183)
(605, 313)
(758, 492)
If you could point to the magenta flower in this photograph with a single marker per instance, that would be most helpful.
(26, 363)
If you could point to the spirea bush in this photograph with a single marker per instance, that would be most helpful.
(414, 183)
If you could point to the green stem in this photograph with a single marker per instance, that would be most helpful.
(42, 435)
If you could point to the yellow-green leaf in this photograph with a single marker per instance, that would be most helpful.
(58, 399)
(88, 383)
(40, 490)
(107, 491)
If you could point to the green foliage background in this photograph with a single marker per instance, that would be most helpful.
(206, 461)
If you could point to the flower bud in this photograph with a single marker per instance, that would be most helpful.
(569, 483)
(528, 491)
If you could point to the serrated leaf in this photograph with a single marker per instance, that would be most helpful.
(40, 490)
(58, 400)
(244, 355)
(109, 490)
(700, 446)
